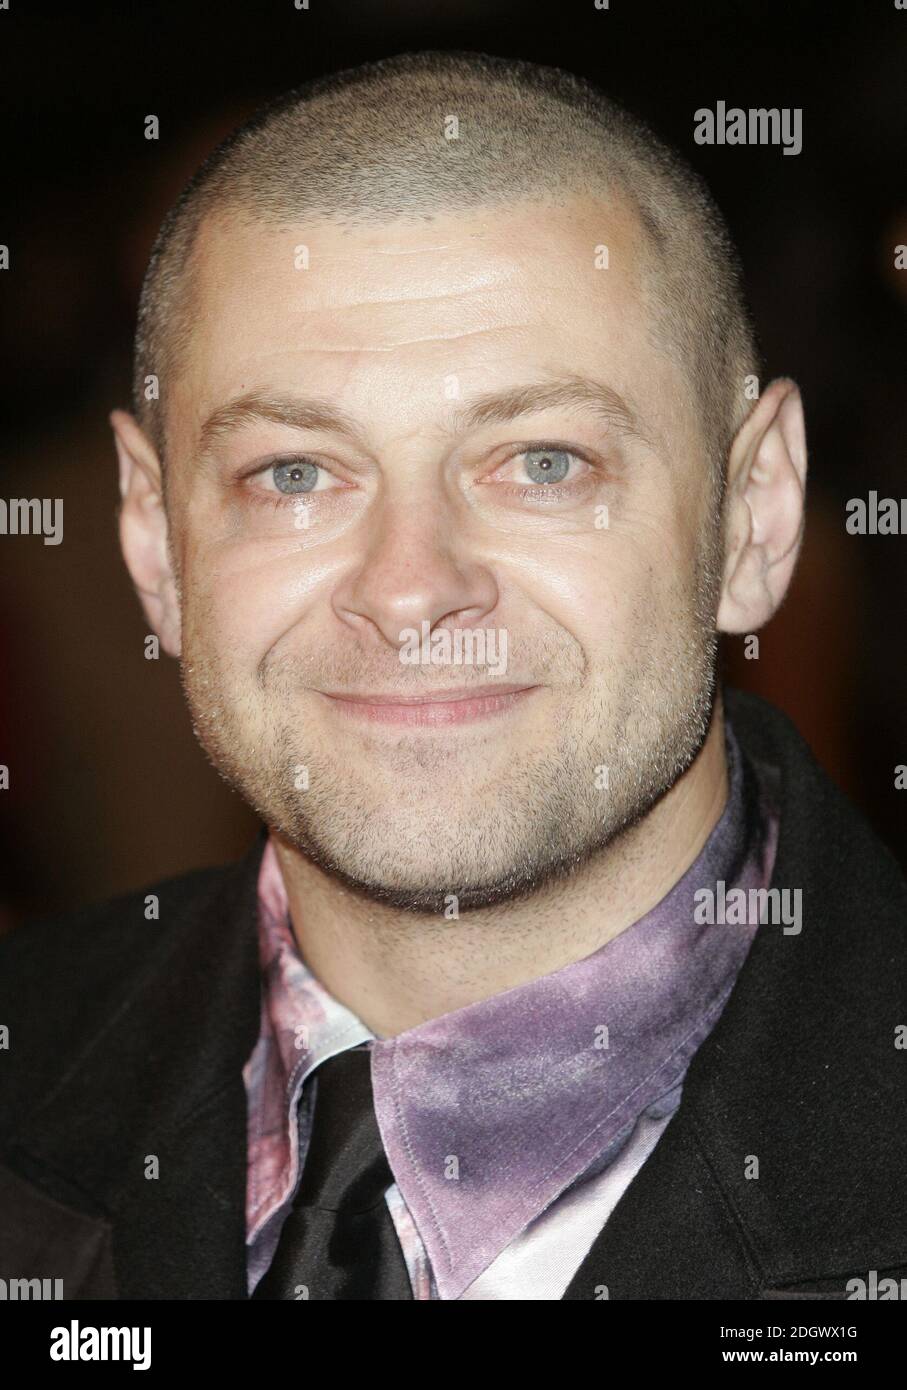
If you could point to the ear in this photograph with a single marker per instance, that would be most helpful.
(764, 514)
(144, 530)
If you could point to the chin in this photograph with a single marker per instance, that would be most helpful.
(444, 887)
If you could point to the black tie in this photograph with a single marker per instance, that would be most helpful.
(339, 1240)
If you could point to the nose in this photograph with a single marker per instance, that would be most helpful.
(414, 567)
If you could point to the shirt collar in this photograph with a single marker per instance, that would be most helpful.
(302, 1025)
(491, 1111)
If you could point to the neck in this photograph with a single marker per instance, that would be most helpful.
(395, 969)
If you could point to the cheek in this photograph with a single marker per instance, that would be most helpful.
(612, 586)
(574, 595)
(242, 598)
(253, 574)
(654, 547)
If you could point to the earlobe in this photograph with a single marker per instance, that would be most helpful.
(765, 497)
(143, 527)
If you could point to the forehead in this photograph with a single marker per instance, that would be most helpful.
(396, 319)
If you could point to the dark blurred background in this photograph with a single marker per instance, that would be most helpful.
(108, 789)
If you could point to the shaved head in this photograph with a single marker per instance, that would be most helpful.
(418, 135)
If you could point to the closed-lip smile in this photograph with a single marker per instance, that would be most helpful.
(456, 705)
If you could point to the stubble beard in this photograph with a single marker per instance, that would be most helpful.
(437, 831)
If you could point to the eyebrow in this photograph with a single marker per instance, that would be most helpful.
(493, 407)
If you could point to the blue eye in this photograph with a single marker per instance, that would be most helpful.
(295, 475)
(547, 465)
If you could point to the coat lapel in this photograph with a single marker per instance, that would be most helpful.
(783, 1168)
(140, 1150)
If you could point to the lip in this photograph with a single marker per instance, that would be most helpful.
(436, 707)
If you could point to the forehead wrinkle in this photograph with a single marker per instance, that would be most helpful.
(466, 279)
(416, 342)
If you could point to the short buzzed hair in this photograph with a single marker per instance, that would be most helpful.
(372, 144)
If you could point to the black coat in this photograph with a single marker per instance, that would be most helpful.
(128, 1037)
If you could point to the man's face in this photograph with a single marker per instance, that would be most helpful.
(307, 554)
